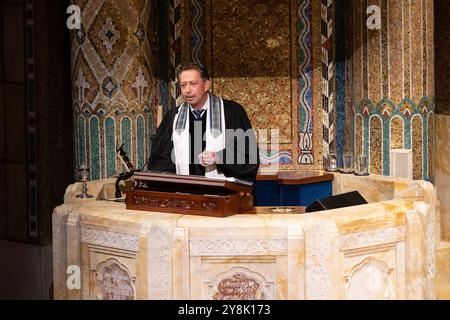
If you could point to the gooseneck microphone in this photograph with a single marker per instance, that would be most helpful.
(129, 170)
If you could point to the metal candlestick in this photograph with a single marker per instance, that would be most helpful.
(83, 170)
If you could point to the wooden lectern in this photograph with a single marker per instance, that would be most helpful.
(197, 195)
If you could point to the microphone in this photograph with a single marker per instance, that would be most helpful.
(129, 170)
(124, 159)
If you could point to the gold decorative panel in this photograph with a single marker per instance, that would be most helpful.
(376, 139)
(397, 133)
(359, 135)
(260, 30)
(417, 146)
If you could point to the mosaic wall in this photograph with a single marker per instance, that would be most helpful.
(261, 54)
(176, 8)
(391, 78)
(328, 78)
(385, 126)
(319, 77)
(114, 88)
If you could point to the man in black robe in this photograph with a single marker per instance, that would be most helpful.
(206, 135)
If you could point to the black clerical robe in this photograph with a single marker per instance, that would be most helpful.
(235, 118)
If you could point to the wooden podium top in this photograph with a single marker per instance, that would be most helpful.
(189, 184)
(295, 177)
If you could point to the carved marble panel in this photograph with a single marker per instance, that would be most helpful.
(232, 247)
(110, 239)
(370, 280)
(114, 282)
(240, 284)
(159, 263)
(322, 265)
(371, 238)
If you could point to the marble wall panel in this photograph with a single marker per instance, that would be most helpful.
(443, 171)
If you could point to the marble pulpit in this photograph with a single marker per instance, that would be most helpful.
(382, 250)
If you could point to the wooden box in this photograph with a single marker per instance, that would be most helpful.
(197, 195)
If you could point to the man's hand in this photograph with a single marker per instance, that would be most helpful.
(207, 158)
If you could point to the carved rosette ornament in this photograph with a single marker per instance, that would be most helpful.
(114, 282)
(239, 287)
(241, 283)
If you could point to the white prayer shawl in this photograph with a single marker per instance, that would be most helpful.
(215, 135)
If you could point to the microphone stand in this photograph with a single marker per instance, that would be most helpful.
(126, 174)
(123, 176)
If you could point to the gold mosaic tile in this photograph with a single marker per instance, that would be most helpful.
(357, 50)
(417, 146)
(429, 7)
(359, 135)
(417, 89)
(395, 51)
(109, 19)
(374, 63)
(397, 127)
(261, 84)
(376, 148)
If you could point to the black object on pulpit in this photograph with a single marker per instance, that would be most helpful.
(338, 201)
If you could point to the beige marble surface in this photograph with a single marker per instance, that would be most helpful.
(443, 271)
(375, 188)
(383, 250)
(442, 171)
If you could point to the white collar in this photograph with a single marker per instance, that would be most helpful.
(205, 106)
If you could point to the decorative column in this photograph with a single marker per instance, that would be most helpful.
(113, 83)
(392, 84)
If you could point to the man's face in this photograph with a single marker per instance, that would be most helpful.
(193, 88)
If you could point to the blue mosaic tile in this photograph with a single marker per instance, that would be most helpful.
(126, 135)
(95, 148)
(151, 131)
(81, 141)
(140, 142)
(110, 145)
